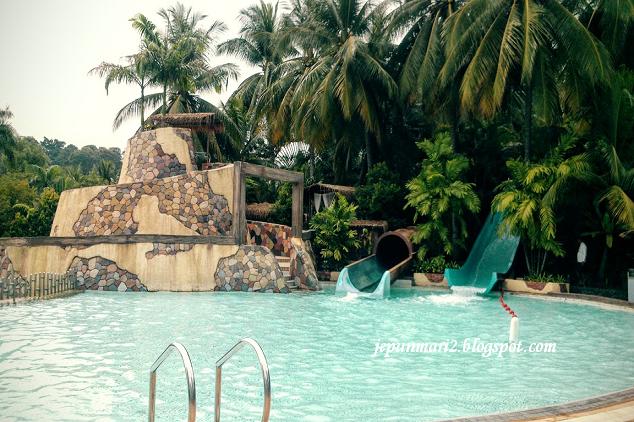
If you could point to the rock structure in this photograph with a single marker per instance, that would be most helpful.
(251, 269)
(99, 273)
(147, 160)
(160, 193)
(276, 237)
(187, 198)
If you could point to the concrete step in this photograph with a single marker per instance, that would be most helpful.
(293, 283)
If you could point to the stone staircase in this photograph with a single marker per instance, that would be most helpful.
(285, 265)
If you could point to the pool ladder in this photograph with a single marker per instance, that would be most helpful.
(191, 383)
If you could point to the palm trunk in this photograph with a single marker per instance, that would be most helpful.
(368, 151)
(164, 98)
(528, 121)
(142, 107)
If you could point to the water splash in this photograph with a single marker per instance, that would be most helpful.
(461, 295)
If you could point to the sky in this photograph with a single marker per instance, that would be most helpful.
(48, 47)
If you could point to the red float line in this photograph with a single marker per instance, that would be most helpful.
(505, 306)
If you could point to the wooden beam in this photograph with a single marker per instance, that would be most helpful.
(271, 173)
(115, 240)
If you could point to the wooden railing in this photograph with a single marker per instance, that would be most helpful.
(35, 286)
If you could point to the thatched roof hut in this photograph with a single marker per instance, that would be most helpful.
(259, 211)
(347, 191)
(199, 122)
(378, 225)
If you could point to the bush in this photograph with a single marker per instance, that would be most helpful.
(382, 197)
(436, 264)
(547, 278)
(334, 238)
(283, 206)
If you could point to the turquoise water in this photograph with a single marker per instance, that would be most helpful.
(86, 358)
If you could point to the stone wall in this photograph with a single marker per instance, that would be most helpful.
(303, 268)
(158, 266)
(276, 237)
(97, 273)
(156, 154)
(251, 269)
(188, 198)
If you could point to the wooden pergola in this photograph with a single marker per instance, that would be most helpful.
(241, 171)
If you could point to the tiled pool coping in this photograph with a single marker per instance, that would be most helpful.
(560, 411)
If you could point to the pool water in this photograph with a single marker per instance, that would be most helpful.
(87, 357)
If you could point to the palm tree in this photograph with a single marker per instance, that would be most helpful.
(441, 197)
(134, 72)
(522, 47)
(335, 92)
(177, 60)
(611, 185)
(44, 177)
(424, 45)
(106, 170)
(259, 46)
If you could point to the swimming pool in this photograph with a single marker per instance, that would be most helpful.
(87, 357)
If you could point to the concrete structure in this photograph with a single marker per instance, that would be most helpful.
(166, 226)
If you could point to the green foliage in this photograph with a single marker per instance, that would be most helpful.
(381, 197)
(14, 189)
(436, 264)
(440, 198)
(282, 208)
(547, 278)
(35, 220)
(334, 238)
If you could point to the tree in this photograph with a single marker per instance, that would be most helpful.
(531, 48)
(44, 177)
(175, 59)
(382, 196)
(425, 51)
(35, 220)
(611, 186)
(106, 170)
(440, 198)
(135, 71)
(14, 189)
(527, 200)
(7, 135)
(332, 94)
(259, 46)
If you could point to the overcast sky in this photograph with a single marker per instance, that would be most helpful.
(48, 46)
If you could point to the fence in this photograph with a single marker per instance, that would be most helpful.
(35, 286)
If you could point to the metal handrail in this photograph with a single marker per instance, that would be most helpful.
(189, 374)
(265, 376)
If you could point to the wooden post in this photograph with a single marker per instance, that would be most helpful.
(298, 208)
(239, 195)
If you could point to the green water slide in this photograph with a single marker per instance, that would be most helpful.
(373, 275)
(491, 254)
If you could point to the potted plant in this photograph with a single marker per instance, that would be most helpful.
(543, 283)
(430, 272)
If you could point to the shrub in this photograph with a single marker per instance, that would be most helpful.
(440, 198)
(334, 238)
(381, 198)
(436, 264)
